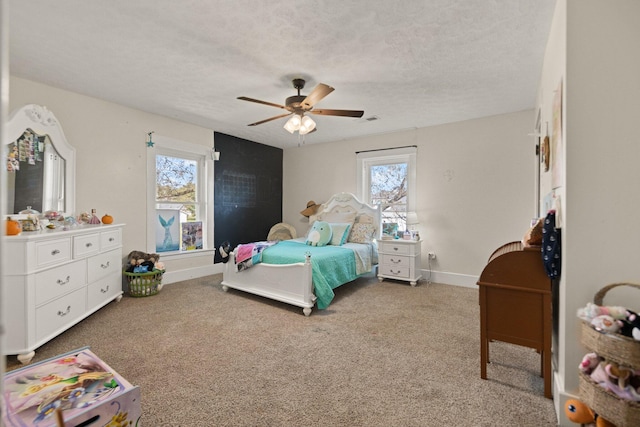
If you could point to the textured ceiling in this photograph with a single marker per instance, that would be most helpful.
(410, 63)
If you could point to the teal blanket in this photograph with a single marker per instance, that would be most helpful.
(331, 266)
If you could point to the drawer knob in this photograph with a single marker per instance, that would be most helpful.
(63, 282)
(395, 248)
(105, 265)
(64, 313)
(104, 291)
(396, 261)
(89, 244)
(111, 239)
(55, 252)
(395, 272)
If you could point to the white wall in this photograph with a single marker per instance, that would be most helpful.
(110, 142)
(593, 49)
(475, 184)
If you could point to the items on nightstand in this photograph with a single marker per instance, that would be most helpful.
(77, 387)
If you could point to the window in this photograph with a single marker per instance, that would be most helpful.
(387, 178)
(180, 202)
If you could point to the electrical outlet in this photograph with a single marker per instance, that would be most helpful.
(432, 255)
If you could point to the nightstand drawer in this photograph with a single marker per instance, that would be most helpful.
(401, 272)
(396, 260)
(399, 247)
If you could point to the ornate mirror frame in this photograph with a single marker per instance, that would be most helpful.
(43, 122)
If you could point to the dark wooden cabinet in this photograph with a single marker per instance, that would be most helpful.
(515, 305)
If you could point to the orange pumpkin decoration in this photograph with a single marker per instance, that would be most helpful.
(13, 227)
(107, 219)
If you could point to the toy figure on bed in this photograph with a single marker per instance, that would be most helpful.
(320, 234)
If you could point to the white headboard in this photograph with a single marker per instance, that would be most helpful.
(348, 203)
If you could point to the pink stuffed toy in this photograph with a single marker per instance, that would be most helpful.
(589, 363)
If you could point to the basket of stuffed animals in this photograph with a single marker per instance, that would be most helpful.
(610, 375)
(144, 274)
(144, 284)
(618, 345)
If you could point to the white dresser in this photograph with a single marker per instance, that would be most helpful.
(399, 259)
(54, 279)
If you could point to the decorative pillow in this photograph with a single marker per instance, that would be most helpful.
(320, 234)
(362, 233)
(339, 232)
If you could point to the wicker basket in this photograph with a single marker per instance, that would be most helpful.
(144, 284)
(613, 347)
(606, 404)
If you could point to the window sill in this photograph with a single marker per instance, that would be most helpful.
(185, 254)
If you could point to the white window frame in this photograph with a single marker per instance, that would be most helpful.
(204, 156)
(366, 159)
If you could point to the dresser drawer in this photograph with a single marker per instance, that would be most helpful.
(86, 245)
(103, 265)
(103, 290)
(110, 239)
(401, 272)
(57, 314)
(396, 260)
(52, 252)
(57, 281)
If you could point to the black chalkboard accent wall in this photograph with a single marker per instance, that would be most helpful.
(247, 190)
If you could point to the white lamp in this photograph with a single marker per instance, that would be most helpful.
(412, 221)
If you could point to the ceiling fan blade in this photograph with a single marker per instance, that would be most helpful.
(316, 95)
(269, 119)
(342, 113)
(244, 98)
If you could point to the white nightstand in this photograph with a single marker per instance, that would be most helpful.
(399, 259)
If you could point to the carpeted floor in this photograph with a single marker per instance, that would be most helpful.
(383, 354)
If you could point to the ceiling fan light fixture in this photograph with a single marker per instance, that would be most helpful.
(307, 125)
(293, 124)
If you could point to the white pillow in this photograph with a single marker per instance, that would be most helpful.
(340, 232)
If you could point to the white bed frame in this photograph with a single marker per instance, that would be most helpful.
(292, 283)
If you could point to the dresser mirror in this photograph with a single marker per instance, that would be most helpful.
(40, 163)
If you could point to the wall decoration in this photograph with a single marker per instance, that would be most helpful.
(167, 230)
(191, 235)
(545, 153)
(557, 157)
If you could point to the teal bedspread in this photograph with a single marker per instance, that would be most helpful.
(331, 266)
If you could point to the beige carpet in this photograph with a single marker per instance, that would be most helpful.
(383, 354)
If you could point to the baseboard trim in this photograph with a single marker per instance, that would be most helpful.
(455, 279)
(191, 273)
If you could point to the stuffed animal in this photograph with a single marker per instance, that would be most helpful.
(589, 363)
(606, 323)
(225, 250)
(593, 310)
(142, 262)
(320, 234)
(579, 413)
(630, 325)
